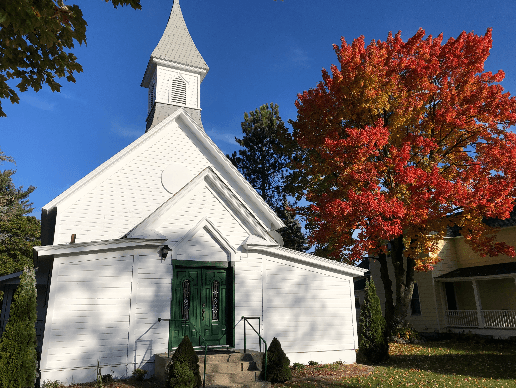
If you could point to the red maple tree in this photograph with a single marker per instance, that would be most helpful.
(403, 141)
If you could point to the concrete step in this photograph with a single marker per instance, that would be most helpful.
(232, 378)
(228, 367)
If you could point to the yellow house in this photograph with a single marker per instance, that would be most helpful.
(464, 292)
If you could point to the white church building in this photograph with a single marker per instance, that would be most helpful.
(166, 238)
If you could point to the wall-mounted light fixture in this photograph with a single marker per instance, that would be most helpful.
(163, 251)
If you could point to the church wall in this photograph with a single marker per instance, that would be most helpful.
(310, 310)
(249, 284)
(109, 207)
(103, 307)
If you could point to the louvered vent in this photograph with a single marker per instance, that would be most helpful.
(178, 91)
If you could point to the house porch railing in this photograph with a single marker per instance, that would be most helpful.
(493, 319)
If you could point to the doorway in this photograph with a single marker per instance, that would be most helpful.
(201, 306)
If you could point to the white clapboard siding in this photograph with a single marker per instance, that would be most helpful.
(105, 308)
(151, 300)
(248, 299)
(130, 192)
(202, 247)
(197, 204)
(308, 309)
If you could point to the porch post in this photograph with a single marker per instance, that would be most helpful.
(479, 305)
(444, 303)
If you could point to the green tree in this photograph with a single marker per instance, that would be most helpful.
(19, 233)
(278, 364)
(35, 41)
(372, 336)
(184, 367)
(293, 236)
(18, 342)
(263, 162)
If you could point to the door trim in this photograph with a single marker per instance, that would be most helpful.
(230, 290)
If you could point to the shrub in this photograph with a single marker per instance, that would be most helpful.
(406, 334)
(139, 374)
(278, 364)
(184, 359)
(313, 363)
(18, 344)
(51, 384)
(372, 340)
(298, 366)
(183, 376)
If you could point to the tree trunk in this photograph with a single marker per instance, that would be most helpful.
(387, 287)
(396, 308)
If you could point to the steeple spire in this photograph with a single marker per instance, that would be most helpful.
(174, 72)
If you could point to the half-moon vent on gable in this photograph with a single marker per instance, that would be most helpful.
(178, 91)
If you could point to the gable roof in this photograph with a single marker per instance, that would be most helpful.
(225, 171)
(254, 244)
(210, 177)
(176, 47)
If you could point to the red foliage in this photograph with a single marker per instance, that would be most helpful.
(407, 138)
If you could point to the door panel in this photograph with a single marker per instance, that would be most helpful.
(199, 295)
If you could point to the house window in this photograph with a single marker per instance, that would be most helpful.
(178, 91)
(186, 299)
(215, 294)
(415, 305)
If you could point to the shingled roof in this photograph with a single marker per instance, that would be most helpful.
(176, 44)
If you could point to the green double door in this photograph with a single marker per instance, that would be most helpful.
(199, 306)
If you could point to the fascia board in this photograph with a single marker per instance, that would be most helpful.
(469, 279)
(153, 62)
(226, 164)
(148, 223)
(212, 229)
(312, 260)
(65, 249)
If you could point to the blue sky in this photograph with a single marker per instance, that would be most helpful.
(258, 51)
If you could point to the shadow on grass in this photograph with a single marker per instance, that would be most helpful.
(481, 366)
(496, 360)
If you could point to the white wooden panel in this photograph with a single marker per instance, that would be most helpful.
(308, 309)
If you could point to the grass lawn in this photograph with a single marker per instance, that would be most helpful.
(432, 364)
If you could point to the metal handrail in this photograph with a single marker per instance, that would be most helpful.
(200, 335)
(260, 337)
(206, 344)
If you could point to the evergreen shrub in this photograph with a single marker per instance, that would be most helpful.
(18, 362)
(278, 364)
(372, 338)
(184, 367)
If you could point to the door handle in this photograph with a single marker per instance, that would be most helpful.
(202, 312)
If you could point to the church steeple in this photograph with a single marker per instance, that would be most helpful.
(174, 73)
